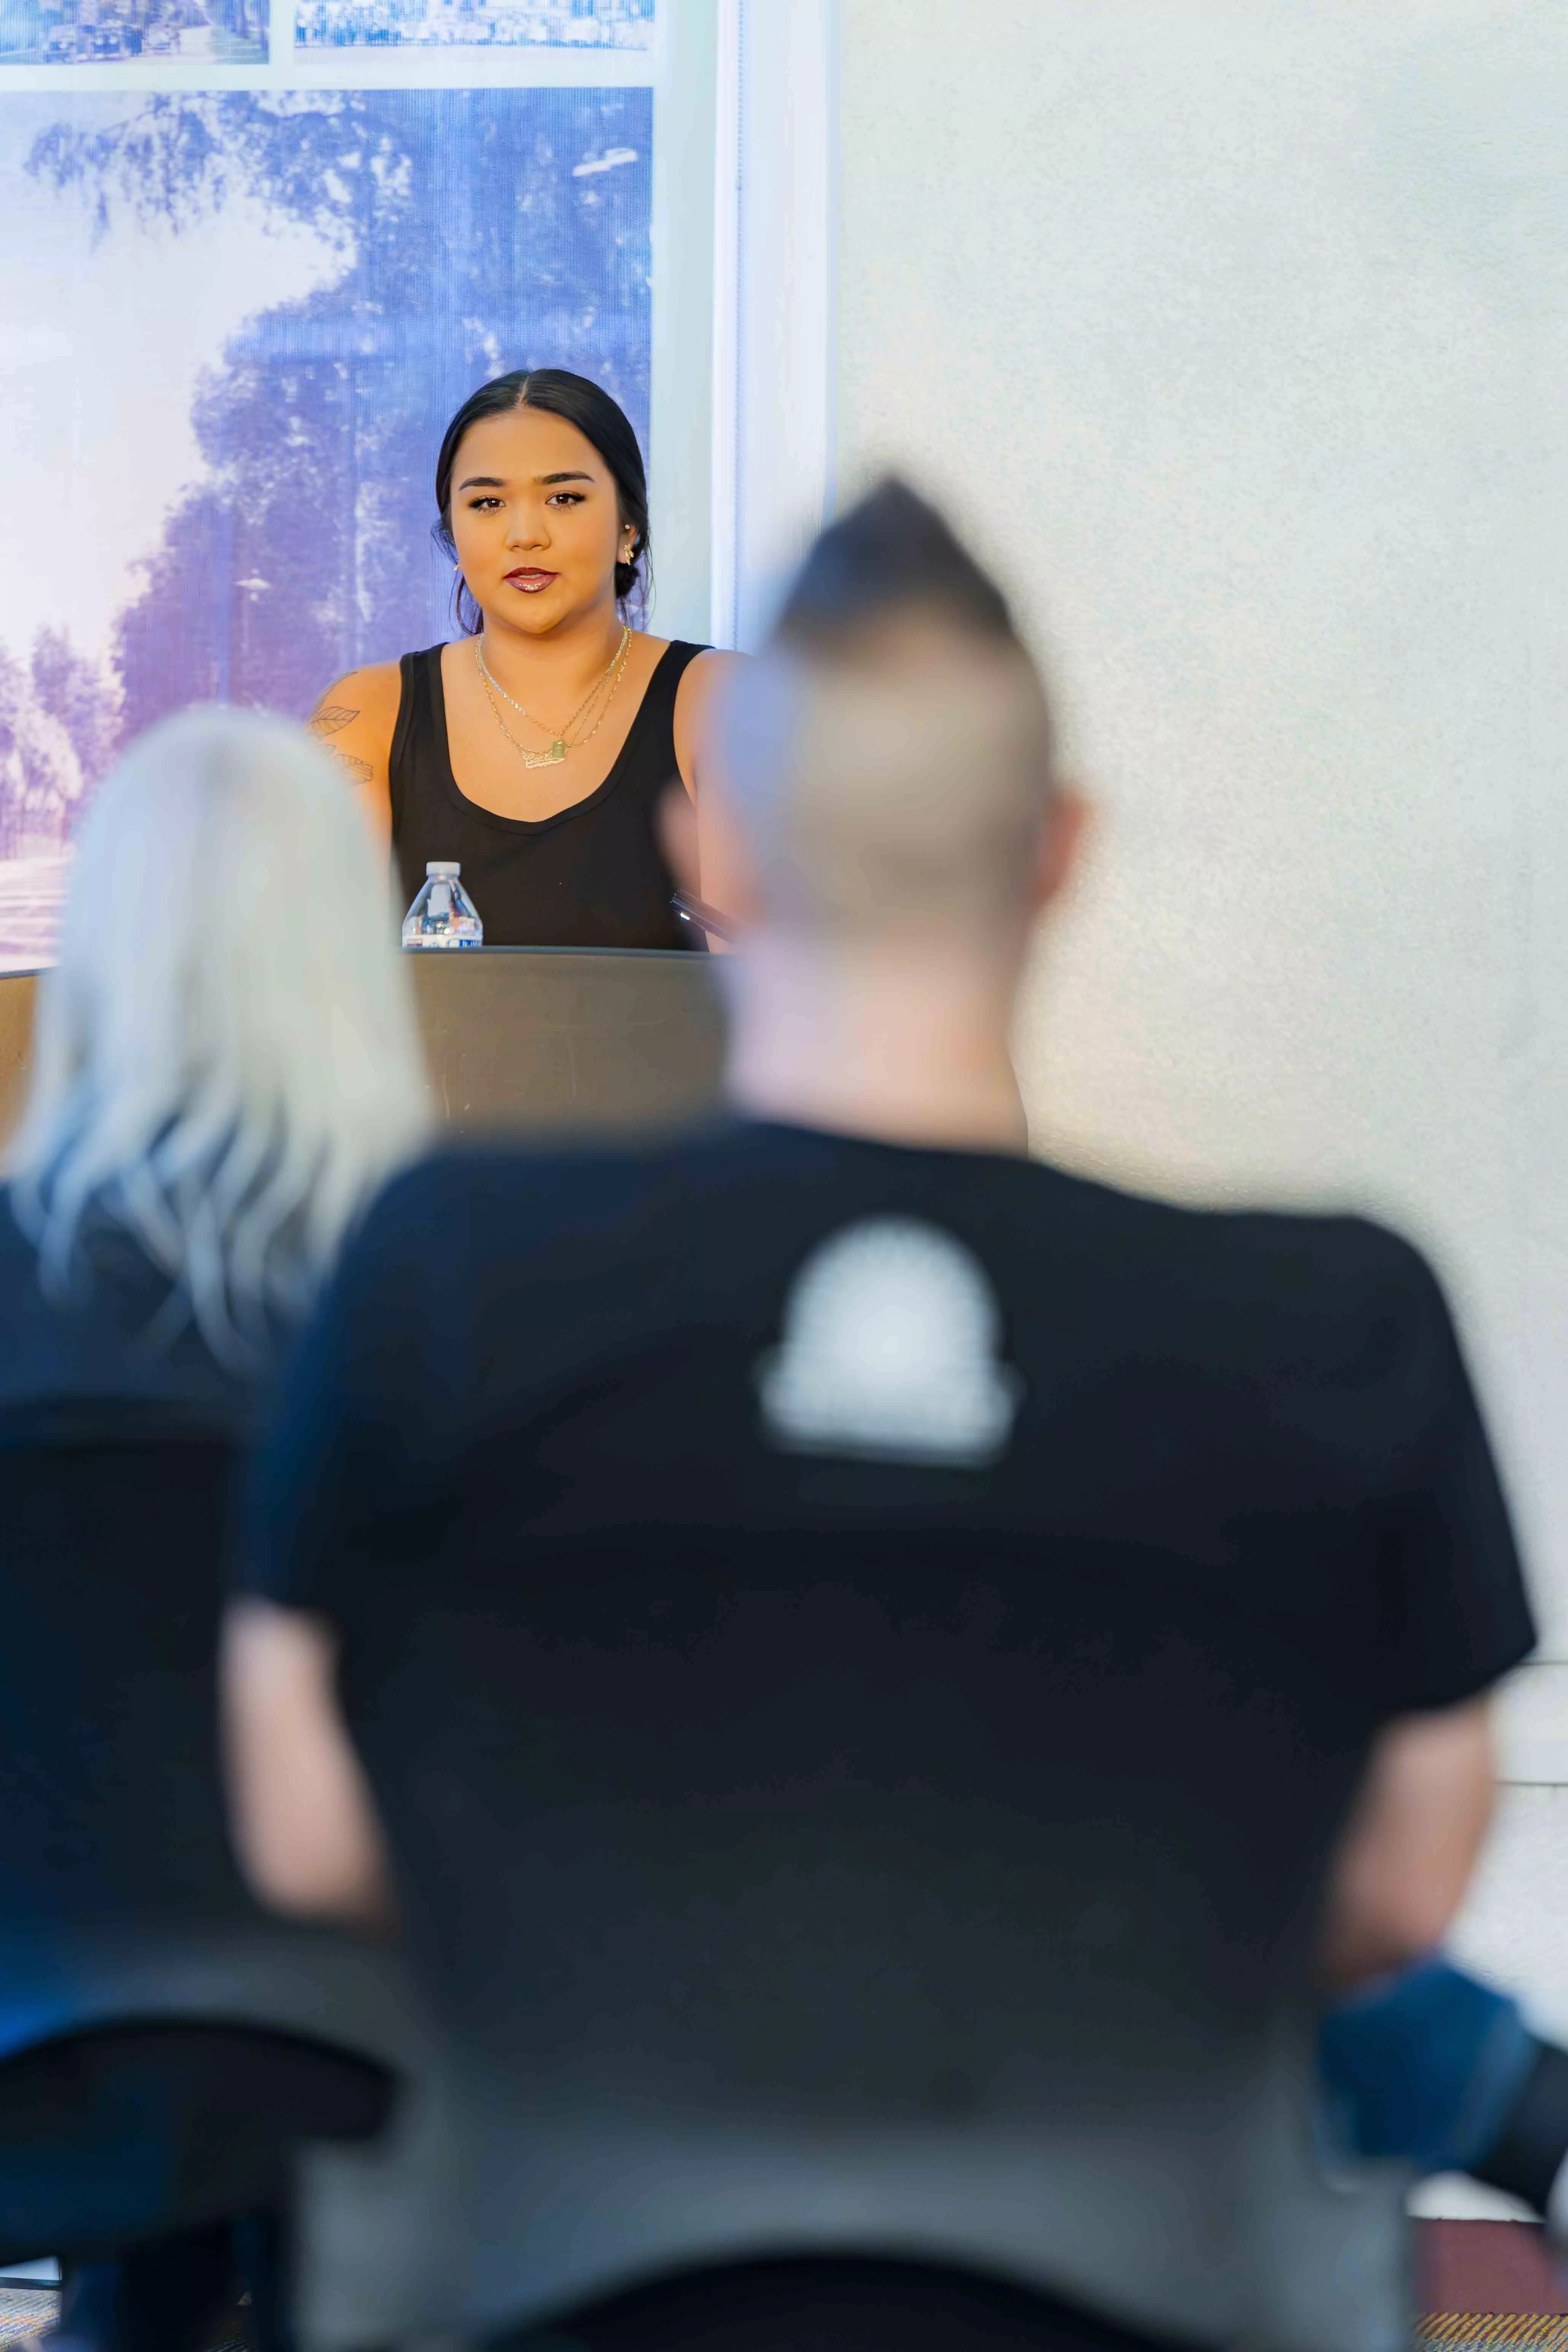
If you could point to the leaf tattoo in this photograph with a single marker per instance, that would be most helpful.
(330, 718)
(359, 770)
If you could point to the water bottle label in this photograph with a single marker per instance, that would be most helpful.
(442, 917)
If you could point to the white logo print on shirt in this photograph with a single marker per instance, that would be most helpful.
(890, 1333)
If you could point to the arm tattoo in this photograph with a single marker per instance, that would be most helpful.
(329, 718)
(359, 770)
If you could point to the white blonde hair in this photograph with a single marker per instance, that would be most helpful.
(226, 1058)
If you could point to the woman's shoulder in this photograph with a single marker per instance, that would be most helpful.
(697, 659)
(702, 682)
(372, 692)
(703, 678)
(684, 682)
(707, 667)
(356, 720)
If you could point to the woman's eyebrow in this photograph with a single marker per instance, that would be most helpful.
(481, 482)
(543, 478)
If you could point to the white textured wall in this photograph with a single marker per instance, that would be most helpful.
(1236, 334)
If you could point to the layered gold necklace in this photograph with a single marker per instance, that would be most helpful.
(562, 738)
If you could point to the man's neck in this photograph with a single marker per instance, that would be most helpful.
(904, 1044)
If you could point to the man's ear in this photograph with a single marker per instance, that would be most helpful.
(1061, 843)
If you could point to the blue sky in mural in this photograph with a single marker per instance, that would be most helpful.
(232, 327)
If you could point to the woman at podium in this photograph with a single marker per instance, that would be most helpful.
(537, 749)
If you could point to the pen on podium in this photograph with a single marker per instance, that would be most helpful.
(701, 916)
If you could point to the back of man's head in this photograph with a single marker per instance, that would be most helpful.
(888, 761)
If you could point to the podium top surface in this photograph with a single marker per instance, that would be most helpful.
(526, 1040)
(35, 972)
(639, 955)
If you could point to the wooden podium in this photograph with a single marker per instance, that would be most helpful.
(546, 1041)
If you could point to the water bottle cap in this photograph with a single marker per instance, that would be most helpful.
(444, 865)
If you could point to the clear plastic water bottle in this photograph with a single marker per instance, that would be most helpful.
(443, 915)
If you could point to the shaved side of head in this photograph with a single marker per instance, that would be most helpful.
(888, 760)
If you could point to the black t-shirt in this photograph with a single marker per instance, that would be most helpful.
(860, 1634)
(528, 1350)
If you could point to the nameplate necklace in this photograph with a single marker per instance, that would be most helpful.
(562, 738)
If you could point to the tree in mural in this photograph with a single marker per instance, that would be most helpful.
(59, 724)
(73, 689)
(40, 775)
(471, 242)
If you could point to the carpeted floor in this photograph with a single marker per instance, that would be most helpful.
(1480, 2331)
(27, 2312)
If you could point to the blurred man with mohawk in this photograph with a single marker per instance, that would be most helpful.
(884, 1676)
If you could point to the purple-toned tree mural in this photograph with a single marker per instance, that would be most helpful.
(473, 242)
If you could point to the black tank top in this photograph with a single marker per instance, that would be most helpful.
(594, 875)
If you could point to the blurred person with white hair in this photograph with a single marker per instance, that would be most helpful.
(225, 1067)
(226, 1070)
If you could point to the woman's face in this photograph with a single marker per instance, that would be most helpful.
(535, 521)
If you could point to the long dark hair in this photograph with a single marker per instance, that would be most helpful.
(599, 419)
